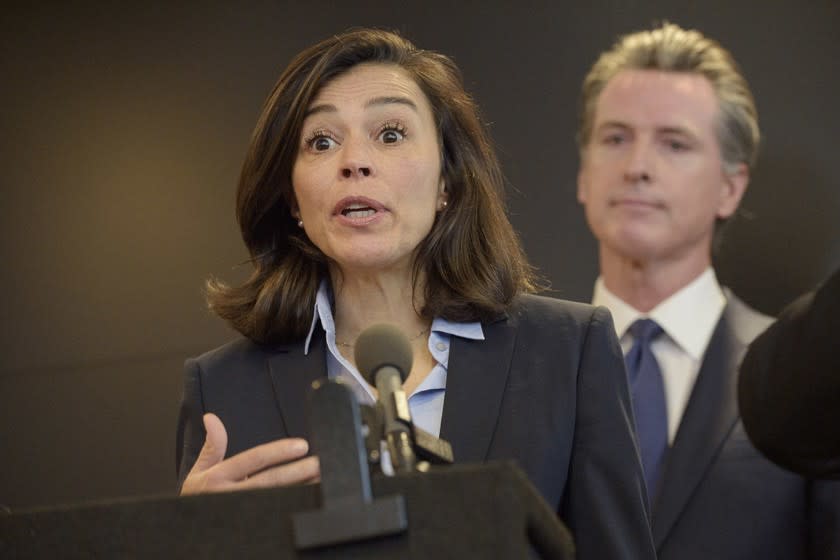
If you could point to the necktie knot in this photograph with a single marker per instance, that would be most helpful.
(645, 331)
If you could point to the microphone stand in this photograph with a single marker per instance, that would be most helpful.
(428, 449)
(348, 511)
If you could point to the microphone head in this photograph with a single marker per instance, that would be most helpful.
(382, 345)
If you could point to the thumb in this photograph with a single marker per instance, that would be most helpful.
(215, 444)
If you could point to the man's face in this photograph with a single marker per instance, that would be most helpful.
(652, 180)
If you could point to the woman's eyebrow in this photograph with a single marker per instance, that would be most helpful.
(376, 101)
(389, 99)
(323, 108)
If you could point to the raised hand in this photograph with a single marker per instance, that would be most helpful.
(277, 463)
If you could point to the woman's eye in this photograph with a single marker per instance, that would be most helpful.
(391, 136)
(322, 143)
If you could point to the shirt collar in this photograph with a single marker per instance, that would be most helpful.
(323, 313)
(688, 317)
(471, 330)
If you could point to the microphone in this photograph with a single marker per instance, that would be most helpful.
(384, 357)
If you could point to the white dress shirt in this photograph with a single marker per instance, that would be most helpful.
(689, 318)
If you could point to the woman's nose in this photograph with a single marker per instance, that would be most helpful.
(350, 170)
(357, 160)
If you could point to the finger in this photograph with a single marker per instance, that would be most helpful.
(215, 444)
(261, 457)
(297, 472)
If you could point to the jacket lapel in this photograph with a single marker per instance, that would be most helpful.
(292, 375)
(709, 417)
(475, 383)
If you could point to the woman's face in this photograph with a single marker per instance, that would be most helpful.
(367, 177)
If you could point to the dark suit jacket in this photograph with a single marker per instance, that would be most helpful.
(720, 498)
(789, 388)
(546, 388)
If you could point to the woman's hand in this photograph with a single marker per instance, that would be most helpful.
(278, 463)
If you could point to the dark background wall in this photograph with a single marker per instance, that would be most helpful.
(123, 129)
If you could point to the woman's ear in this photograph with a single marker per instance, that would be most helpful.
(294, 209)
(443, 196)
(295, 213)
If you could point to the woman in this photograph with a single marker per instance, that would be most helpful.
(371, 193)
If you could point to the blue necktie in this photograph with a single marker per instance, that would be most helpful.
(648, 394)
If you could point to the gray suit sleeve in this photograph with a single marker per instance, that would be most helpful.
(607, 501)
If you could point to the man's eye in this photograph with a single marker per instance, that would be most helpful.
(614, 139)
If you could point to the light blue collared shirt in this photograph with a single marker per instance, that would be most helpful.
(426, 402)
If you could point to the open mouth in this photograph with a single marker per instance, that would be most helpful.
(358, 211)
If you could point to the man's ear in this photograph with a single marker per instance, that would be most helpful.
(581, 184)
(732, 189)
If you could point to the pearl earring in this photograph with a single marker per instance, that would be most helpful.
(300, 223)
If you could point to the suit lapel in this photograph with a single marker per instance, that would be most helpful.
(292, 374)
(709, 417)
(475, 384)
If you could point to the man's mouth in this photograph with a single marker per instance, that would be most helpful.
(636, 202)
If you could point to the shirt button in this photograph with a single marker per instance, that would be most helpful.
(440, 346)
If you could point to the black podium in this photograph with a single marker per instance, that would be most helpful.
(482, 511)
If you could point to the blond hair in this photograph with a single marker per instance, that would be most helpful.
(670, 48)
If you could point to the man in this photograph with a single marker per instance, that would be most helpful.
(668, 134)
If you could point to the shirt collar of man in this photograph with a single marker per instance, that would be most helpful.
(688, 317)
(323, 313)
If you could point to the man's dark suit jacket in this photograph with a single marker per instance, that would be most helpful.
(720, 498)
(789, 388)
(545, 388)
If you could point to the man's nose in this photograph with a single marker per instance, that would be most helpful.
(639, 164)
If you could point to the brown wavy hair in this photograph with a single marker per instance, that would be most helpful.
(472, 263)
